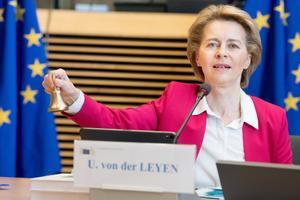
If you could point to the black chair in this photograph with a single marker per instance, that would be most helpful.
(140, 6)
(295, 143)
(190, 6)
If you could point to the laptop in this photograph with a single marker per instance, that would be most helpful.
(124, 135)
(259, 181)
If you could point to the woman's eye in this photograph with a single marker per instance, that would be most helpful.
(211, 45)
(233, 46)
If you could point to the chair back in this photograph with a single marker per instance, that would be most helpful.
(295, 143)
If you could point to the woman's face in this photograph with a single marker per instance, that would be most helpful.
(223, 54)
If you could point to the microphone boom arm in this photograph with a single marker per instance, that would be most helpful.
(187, 118)
(203, 90)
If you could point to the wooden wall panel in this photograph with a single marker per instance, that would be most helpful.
(120, 59)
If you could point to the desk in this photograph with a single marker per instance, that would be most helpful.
(18, 189)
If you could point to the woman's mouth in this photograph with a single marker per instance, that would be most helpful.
(221, 66)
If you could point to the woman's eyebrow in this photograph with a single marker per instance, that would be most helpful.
(234, 40)
(211, 39)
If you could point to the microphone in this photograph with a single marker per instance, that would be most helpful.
(202, 91)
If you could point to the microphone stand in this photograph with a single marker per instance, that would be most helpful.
(199, 97)
(203, 90)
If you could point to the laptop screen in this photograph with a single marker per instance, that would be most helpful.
(259, 181)
(124, 135)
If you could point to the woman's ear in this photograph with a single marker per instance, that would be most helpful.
(248, 61)
(197, 59)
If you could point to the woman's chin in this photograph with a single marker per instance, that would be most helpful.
(222, 82)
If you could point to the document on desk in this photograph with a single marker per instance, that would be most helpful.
(58, 186)
(210, 193)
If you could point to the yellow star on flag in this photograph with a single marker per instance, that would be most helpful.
(29, 95)
(33, 38)
(1, 15)
(4, 116)
(283, 15)
(297, 74)
(262, 20)
(13, 3)
(37, 68)
(20, 13)
(291, 102)
(295, 42)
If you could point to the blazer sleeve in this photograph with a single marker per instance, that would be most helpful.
(282, 145)
(98, 115)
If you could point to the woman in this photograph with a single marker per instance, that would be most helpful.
(224, 49)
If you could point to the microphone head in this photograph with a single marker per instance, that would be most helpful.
(204, 88)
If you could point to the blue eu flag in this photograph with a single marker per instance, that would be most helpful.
(28, 143)
(277, 79)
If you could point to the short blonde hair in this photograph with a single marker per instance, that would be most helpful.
(231, 13)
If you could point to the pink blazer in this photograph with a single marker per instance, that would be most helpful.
(268, 144)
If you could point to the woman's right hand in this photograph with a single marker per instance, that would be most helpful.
(59, 79)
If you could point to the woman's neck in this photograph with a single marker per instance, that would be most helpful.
(225, 102)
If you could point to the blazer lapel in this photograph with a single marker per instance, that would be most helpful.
(255, 148)
(194, 131)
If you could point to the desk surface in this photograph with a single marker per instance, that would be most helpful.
(18, 189)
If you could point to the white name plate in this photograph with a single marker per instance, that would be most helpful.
(134, 166)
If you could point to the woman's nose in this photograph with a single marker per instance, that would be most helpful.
(221, 52)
